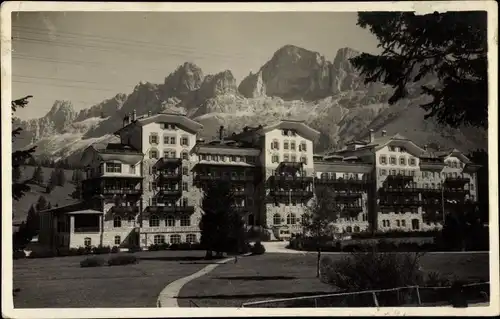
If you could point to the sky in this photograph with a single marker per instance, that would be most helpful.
(87, 57)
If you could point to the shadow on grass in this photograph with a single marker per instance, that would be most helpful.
(261, 295)
(257, 278)
(182, 258)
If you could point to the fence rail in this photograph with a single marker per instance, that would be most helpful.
(394, 297)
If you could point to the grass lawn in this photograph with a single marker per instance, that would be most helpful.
(274, 276)
(60, 282)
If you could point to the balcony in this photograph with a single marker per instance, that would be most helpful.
(293, 193)
(401, 203)
(121, 191)
(168, 162)
(125, 210)
(400, 177)
(348, 194)
(171, 209)
(170, 229)
(457, 180)
(239, 193)
(87, 229)
(169, 192)
(291, 179)
(211, 177)
(404, 190)
(169, 177)
(431, 164)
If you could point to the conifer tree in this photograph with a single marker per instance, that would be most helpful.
(38, 175)
(19, 157)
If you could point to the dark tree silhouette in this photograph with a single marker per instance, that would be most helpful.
(222, 228)
(53, 182)
(61, 176)
(481, 157)
(317, 221)
(41, 204)
(17, 174)
(449, 46)
(38, 175)
(19, 157)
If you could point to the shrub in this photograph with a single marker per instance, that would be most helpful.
(154, 247)
(101, 250)
(42, 254)
(134, 249)
(164, 246)
(92, 262)
(115, 249)
(174, 247)
(122, 260)
(373, 270)
(18, 254)
(258, 249)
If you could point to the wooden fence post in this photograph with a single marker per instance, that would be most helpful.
(375, 301)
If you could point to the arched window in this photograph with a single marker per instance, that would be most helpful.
(356, 229)
(159, 239)
(154, 221)
(291, 219)
(175, 239)
(118, 240)
(117, 221)
(170, 221)
(348, 229)
(186, 220)
(276, 219)
(191, 238)
(185, 155)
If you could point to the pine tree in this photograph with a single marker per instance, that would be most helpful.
(41, 204)
(450, 46)
(53, 182)
(38, 175)
(32, 223)
(16, 174)
(61, 177)
(19, 157)
(49, 206)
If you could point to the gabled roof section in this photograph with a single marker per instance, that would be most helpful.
(300, 126)
(456, 153)
(175, 118)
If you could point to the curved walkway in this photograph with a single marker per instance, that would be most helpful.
(168, 296)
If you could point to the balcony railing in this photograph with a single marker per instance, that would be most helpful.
(125, 209)
(169, 229)
(169, 176)
(165, 162)
(169, 192)
(284, 193)
(400, 189)
(341, 181)
(401, 177)
(239, 192)
(239, 178)
(407, 203)
(291, 179)
(121, 191)
(88, 229)
(457, 180)
(171, 209)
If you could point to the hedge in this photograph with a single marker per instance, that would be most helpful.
(92, 262)
(123, 260)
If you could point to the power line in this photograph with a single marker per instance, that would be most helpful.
(121, 41)
(69, 86)
(56, 79)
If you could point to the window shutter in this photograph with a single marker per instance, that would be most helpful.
(150, 139)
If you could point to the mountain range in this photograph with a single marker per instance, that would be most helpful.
(295, 83)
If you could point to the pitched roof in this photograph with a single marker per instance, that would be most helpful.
(176, 118)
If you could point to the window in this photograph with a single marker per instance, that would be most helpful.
(392, 149)
(285, 145)
(403, 223)
(154, 221)
(293, 158)
(398, 223)
(383, 172)
(356, 229)
(175, 239)
(184, 202)
(184, 186)
(117, 221)
(412, 173)
(113, 167)
(275, 145)
(159, 239)
(185, 141)
(131, 219)
(276, 219)
(186, 220)
(185, 155)
(286, 158)
(185, 170)
(412, 162)
(131, 169)
(348, 229)
(303, 159)
(172, 154)
(393, 160)
(275, 158)
(383, 160)
(170, 221)
(402, 161)
(393, 172)
(303, 147)
(153, 153)
(87, 242)
(153, 139)
(291, 219)
(292, 146)
(118, 240)
(415, 224)
(191, 238)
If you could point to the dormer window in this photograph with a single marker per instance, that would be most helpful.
(169, 126)
(392, 149)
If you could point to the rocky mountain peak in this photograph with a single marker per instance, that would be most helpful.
(217, 84)
(187, 78)
(61, 114)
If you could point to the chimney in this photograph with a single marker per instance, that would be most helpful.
(149, 113)
(129, 118)
(221, 132)
(384, 132)
(372, 135)
(134, 115)
(425, 147)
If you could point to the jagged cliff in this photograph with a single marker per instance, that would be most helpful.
(295, 83)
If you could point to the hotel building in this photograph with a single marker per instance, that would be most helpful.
(148, 188)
